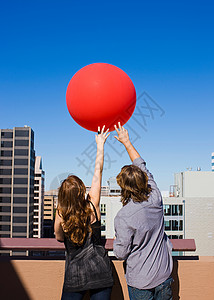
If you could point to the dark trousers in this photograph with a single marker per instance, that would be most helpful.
(98, 294)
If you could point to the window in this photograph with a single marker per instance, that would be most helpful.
(17, 219)
(103, 209)
(174, 225)
(22, 133)
(4, 218)
(20, 190)
(22, 143)
(21, 152)
(167, 210)
(36, 194)
(175, 236)
(20, 200)
(5, 190)
(4, 208)
(180, 210)
(6, 153)
(4, 162)
(20, 162)
(36, 188)
(181, 225)
(6, 144)
(20, 210)
(7, 135)
(20, 180)
(5, 171)
(18, 171)
(175, 210)
(167, 224)
(5, 235)
(5, 180)
(4, 199)
(103, 225)
(4, 227)
(36, 181)
(19, 229)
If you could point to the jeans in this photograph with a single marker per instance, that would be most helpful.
(98, 294)
(160, 292)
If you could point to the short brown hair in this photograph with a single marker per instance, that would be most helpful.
(134, 184)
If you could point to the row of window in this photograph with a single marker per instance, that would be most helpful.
(115, 191)
(16, 190)
(175, 236)
(15, 181)
(15, 228)
(17, 171)
(17, 152)
(21, 162)
(7, 134)
(16, 219)
(18, 143)
(173, 225)
(20, 210)
(173, 210)
(18, 133)
(20, 200)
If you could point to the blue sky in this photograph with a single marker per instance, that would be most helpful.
(166, 47)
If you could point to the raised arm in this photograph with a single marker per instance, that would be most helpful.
(97, 178)
(123, 137)
(135, 157)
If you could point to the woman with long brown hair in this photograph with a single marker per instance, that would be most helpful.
(78, 225)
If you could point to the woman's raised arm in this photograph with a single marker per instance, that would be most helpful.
(97, 178)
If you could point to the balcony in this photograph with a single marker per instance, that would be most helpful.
(41, 277)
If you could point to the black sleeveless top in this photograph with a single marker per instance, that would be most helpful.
(72, 248)
(87, 266)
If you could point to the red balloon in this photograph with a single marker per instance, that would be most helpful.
(100, 94)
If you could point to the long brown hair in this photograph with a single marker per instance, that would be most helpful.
(134, 184)
(74, 209)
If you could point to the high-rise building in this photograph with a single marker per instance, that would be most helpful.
(50, 200)
(17, 161)
(39, 179)
(213, 161)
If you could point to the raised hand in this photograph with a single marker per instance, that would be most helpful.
(123, 135)
(102, 136)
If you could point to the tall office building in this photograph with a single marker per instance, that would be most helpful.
(50, 202)
(213, 161)
(39, 180)
(17, 161)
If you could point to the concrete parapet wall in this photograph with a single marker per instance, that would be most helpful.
(43, 279)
